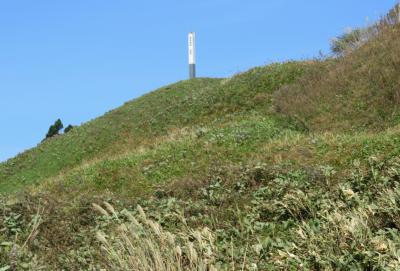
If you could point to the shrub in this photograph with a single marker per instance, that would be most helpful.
(352, 40)
(69, 128)
(16, 237)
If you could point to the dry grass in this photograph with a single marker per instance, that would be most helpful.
(142, 244)
(358, 91)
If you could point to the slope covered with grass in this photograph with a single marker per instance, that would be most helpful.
(358, 91)
(140, 122)
(292, 166)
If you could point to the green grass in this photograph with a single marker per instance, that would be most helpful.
(109, 134)
(234, 185)
(192, 153)
(141, 121)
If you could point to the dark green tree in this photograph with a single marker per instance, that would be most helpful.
(69, 128)
(55, 129)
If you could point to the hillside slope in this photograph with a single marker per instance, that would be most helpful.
(292, 166)
(138, 123)
(355, 92)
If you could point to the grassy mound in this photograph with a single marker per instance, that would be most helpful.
(292, 166)
(143, 121)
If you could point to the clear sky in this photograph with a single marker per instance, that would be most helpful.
(76, 59)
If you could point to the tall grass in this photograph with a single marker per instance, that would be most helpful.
(142, 244)
(356, 92)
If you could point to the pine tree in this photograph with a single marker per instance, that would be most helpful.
(55, 129)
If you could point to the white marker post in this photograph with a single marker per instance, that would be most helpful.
(192, 55)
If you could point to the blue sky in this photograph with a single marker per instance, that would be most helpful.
(76, 59)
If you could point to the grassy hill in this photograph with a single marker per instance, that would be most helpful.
(355, 92)
(140, 122)
(291, 166)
